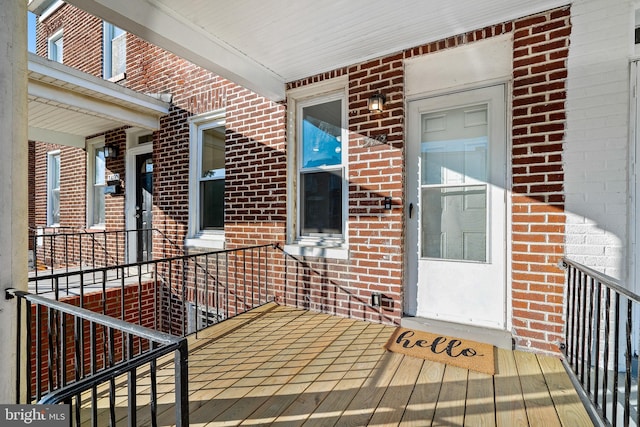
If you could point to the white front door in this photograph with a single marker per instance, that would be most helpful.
(457, 208)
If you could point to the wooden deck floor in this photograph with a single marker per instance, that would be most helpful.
(286, 367)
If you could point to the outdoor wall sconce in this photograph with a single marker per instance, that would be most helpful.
(376, 299)
(110, 151)
(376, 103)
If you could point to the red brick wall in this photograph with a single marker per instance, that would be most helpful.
(82, 37)
(541, 47)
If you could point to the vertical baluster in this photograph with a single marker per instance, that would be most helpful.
(605, 373)
(38, 351)
(182, 387)
(183, 292)
(583, 329)
(66, 260)
(616, 356)
(226, 257)
(94, 367)
(590, 334)
(133, 406)
(28, 308)
(50, 350)
(597, 364)
(154, 388)
(206, 286)
(579, 326)
(79, 361)
(217, 290)
(627, 359)
(170, 285)
(19, 351)
(112, 382)
(63, 356)
(195, 299)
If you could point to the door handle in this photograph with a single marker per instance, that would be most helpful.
(410, 210)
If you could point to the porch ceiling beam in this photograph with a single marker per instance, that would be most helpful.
(165, 28)
(55, 137)
(65, 99)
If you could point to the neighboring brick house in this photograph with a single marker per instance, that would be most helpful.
(341, 188)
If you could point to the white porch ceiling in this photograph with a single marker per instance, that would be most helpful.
(66, 105)
(262, 44)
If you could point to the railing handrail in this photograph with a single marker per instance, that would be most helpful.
(85, 384)
(98, 318)
(141, 263)
(604, 279)
(167, 343)
(598, 315)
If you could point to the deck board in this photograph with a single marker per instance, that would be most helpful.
(288, 367)
(537, 399)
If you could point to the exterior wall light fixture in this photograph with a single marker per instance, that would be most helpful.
(376, 103)
(110, 151)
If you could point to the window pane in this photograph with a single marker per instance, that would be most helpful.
(98, 205)
(55, 171)
(454, 223)
(54, 189)
(58, 47)
(213, 153)
(100, 168)
(212, 204)
(321, 203)
(55, 206)
(118, 54)
(322, 134)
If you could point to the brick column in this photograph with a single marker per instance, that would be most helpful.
(541, 47)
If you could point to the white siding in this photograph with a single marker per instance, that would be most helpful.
(596, 156)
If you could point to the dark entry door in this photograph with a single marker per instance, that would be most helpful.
(144, 201)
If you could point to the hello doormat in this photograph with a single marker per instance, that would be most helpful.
(465, 354)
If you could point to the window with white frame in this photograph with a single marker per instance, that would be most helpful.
(53, 188)
(55, 46)
(114, 51)
(320, 171)
(207, 178)
(96, 180)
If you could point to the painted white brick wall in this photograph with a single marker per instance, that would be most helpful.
(596, 155)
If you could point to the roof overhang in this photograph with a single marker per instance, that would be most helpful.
(66, 105)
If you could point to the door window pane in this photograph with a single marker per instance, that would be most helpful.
(454, 223)
(453, 176)
(321, 203)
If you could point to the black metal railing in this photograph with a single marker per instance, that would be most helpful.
(76, 356)
(600, 332)
(179, 295)
(68, 249)
(60, 253)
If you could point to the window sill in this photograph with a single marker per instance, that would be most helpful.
(205, 241)
(334, 252)
(117, 78)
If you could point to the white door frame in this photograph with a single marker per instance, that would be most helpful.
(412, 218)
(131, 186)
